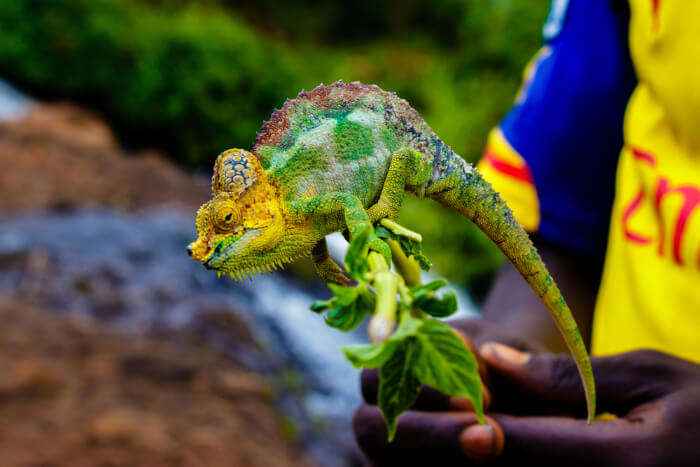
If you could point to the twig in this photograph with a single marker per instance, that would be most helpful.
(385, 283)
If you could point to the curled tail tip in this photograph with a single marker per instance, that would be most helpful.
(591, 414)
(591, 410)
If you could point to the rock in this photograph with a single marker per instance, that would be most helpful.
(157, 368)
(235, 385)
(228, 323)
(128, 428)
(29, 379)
(76, 394)
(60, 157)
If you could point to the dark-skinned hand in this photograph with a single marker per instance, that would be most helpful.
(537, 413)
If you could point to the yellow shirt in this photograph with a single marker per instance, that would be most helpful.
(650, 289)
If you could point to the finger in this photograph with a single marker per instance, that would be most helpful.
(431, 438)
(481, 331)
(555, 440)
(429, 399)
(547, 383)
(483, 369)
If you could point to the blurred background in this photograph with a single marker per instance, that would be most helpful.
(116, 349)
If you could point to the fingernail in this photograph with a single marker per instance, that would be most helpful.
(477, 441)
(495, 351)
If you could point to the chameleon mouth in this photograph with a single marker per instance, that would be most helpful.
(249, 271)
(241, 273)
(242, 258)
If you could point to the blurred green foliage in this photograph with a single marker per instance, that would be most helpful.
(190, 80)
(197, 78)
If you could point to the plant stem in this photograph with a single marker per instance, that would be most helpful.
(385, 283)
(407, 267)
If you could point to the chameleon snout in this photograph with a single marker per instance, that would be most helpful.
(198, 250)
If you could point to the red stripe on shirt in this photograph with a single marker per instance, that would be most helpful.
(643, 156)
(521, 173)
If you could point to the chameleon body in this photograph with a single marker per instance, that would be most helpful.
(339, 158)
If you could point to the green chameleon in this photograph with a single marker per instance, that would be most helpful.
(340, 158)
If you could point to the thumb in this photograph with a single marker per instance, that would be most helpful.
(530, 383)
(524, 383)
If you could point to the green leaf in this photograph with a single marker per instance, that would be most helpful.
(344, 295)
(320, 305)
(371, 355)
(398, 385)
(383, 232)
(356, 257)
(429, 287)
(410, 247)
(408, 326)
(424, 299)
(367, 300)
(438, 307)
(346, 318)
(347, 308)
(413, 248)
(446, 364)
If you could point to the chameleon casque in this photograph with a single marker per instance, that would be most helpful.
(341, 157)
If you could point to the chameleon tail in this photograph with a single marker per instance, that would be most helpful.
(459, 186)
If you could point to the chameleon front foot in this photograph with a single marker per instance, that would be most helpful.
(331, 273)
(326, 267)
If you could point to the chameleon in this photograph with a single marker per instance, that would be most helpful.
(340, 158)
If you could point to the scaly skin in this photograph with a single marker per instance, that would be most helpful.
(341, 157)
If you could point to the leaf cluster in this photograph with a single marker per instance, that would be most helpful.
(422, 350)
(349, 305)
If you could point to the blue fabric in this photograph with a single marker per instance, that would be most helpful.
(568, 124)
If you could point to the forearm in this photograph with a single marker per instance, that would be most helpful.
(514, 306)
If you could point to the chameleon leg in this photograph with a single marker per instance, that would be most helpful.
(356, 218)
(406, 168)
(325, 266)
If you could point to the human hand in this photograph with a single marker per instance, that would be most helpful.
(369, 425)
(535, 399)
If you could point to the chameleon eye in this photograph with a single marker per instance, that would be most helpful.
(225, 217)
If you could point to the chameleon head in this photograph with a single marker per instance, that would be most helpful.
(241, 229)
